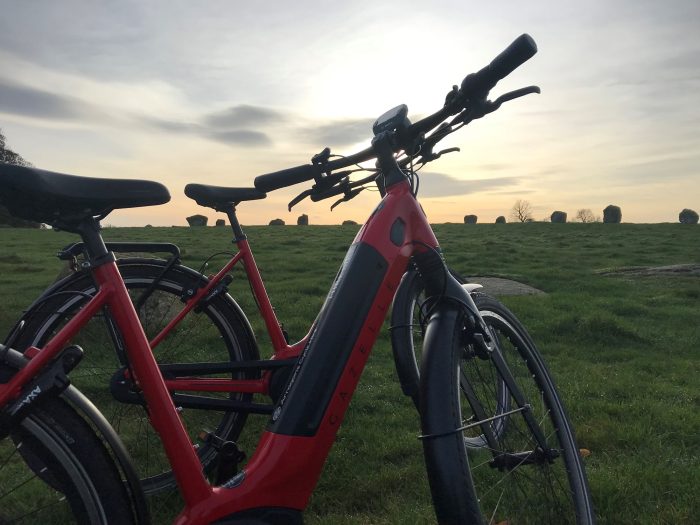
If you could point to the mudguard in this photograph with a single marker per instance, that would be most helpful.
(116, 447)
(402, 329)
(66, 283)
(439, 410)
(10, 359)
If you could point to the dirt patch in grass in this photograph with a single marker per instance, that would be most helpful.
(679, 270)
(498, 286)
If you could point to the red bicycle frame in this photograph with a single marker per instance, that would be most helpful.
(290, 455)
(287, 463)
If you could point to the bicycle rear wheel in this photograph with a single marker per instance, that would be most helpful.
(516, 477)
(55, 470)
(218, 332)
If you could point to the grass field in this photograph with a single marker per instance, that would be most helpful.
(624, 350)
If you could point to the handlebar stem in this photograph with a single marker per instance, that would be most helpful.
(383, 146)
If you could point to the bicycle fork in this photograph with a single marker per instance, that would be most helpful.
(445, 292)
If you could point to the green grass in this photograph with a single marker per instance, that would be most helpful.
(623, 350)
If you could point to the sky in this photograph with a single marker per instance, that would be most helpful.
(218, 92)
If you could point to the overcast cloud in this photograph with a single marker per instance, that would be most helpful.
(26, 101)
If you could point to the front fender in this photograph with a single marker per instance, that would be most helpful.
(402, 329)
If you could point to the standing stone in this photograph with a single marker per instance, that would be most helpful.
(558, 216)
(470, 219)
(303, 220)
(197, 220)
(276, 222)
(220, 222)
(500, 219)
(688, 216)
(612, 214)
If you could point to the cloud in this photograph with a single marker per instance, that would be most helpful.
(172, 126)
(217, 131)
(27, 101)
(441, 185)
(339, 132)
(243, 115)
(241, 124)
(240, 137)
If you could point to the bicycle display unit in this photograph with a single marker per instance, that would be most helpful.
(497, 442)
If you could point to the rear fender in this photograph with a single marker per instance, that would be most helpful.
(12, 359)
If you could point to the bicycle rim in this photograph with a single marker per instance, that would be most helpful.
(514, 480)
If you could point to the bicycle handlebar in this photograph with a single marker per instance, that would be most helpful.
(286, 177)
(305, 172)
(474, 86)
(517, 53)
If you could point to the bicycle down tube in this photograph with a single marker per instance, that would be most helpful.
(308, 415)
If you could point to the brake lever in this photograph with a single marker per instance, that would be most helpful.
(327, 182)
(323, 185)
(445, 152)
(513, 95)
(348, 196)
(485, 107)
(296, 200)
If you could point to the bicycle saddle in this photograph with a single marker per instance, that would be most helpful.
(220, 197)
(49, 197)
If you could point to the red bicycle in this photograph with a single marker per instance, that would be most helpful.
(497, 441)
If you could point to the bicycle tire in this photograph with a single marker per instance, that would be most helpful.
(54, 469)
(407, 333)
(511, 481)
(219, 332)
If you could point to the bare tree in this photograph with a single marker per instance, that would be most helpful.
(521, 211)
(585, 215)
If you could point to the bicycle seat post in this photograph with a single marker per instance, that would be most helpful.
(97, 253)
(230, 212)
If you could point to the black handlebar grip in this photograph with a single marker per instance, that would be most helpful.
(284, 178)
(517, 53)
(520, 51)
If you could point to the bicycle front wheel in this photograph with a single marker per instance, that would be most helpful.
(530, 473)
(55, 470)
(215, 332)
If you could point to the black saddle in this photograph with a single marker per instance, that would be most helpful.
(221, 198)
(55, 198)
